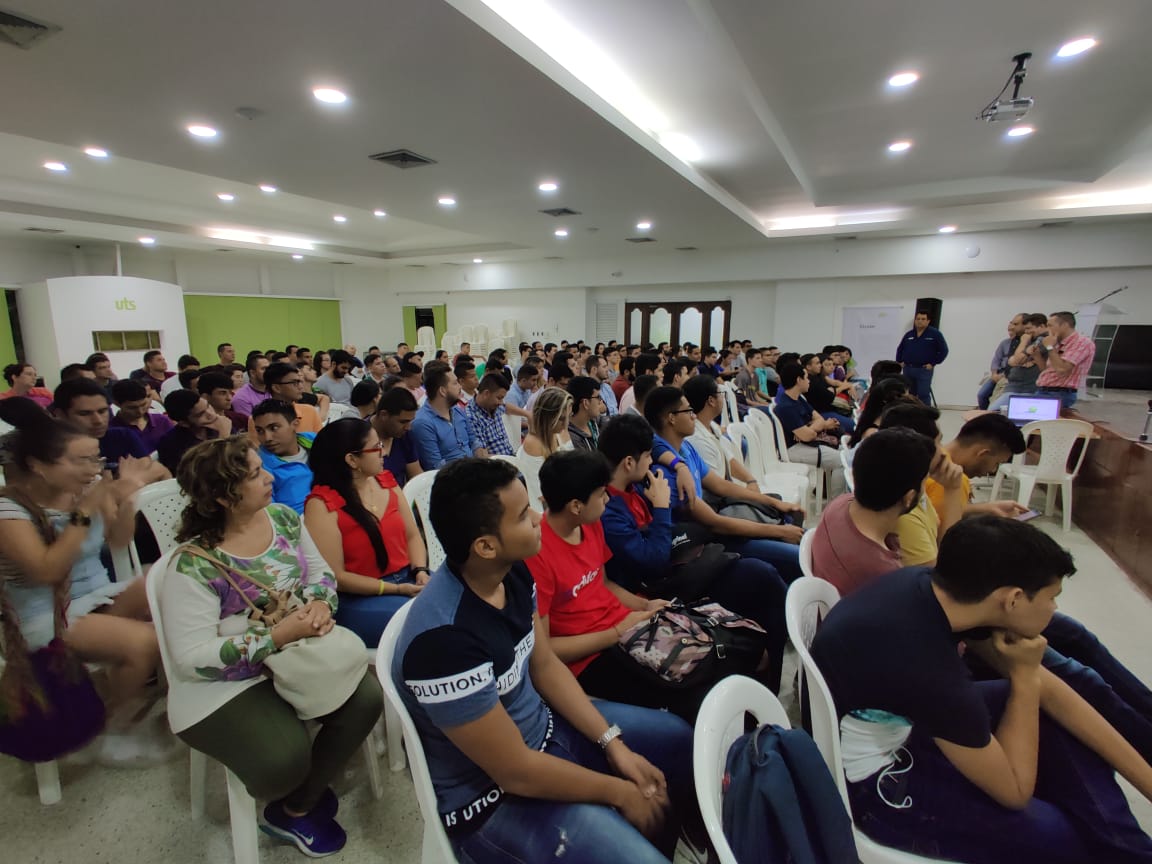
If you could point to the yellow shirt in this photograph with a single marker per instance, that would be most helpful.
(935, 491)
(308, 416)
(919, 534)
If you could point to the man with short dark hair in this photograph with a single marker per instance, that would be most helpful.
(216, 387)
(983, 444)
(195, 421)
(394, 415)
(641, 387)
(804, 427)
(999, 366)
(285, 383)
(587, 406)
(920, 351)
(597, 369)
(1064, 357)
(154, 371)
(76, 370)
(624, 379)
(186, 362)
(465, 372)
(645, 364)
(678, 371)
(284, 452)
(440, 430)
(84, 404)
(704, 397)
(1019, 769)
(100, 364)
(746, 382)
(858, 539)
(254, 392)
(375, 369)
(485, 414)
(132, 400)
(225, 354)
(1021, 371)
(335, 383)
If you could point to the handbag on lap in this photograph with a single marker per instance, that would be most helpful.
(315, 674)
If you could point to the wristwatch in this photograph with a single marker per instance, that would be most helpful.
(610, 734)
(80, 518)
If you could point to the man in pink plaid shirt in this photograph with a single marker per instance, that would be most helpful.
(1064, 357)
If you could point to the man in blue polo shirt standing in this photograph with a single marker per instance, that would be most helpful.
(921, 350)
(440, 430)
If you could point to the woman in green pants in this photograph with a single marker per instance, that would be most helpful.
(220, 700)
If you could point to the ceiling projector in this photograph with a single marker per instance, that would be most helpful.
(1008, 109)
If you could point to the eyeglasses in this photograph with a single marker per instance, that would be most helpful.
(91, 460)
(682, 411)
(297, 381)
(367, 451)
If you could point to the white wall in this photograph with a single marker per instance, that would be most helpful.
(60, 315)
(976, 309)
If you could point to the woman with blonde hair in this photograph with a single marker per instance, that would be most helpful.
(247, 558)
(547, 434)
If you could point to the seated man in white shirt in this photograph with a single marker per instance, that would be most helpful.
(705, 399)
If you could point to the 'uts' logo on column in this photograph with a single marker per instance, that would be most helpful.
(126, 305)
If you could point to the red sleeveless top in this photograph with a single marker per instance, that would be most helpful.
(359, 556)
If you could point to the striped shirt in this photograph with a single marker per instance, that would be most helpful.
(1078, 350)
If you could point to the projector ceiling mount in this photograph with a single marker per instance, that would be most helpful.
(1013, 108)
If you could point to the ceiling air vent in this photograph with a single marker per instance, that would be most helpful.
(641, 239)
(46, 230)
(23, 32)
(557, 212)
(686, 248)
(843, 237)
(402, 159)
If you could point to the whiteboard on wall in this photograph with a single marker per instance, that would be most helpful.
(872, 332)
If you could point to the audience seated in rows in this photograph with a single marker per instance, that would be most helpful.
(220, 700)
(363, 527)
(83, 403)
(516, 744)
(285, 383)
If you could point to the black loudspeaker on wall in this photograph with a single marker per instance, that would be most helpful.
(934, 306)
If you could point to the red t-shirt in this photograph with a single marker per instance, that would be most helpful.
(359, 556)
(844, 556)
(570, 589)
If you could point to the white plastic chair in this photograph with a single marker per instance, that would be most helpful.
(161, 505)
(847, 463)
(719, 723)
(806, 552)
(437, 849)
(481, 332)
(808, 601)
(1057, 438)
(418, 491)
(426, 335)
(729, 410)
(816, 476)
(791, 485)
(467, 334)
(449, 343)
(510, 328)
(513, 427)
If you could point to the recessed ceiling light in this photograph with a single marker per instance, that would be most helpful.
(201, 131)
(268, 187)
(297, 257)
(947, 229)
(147, 241)
(477, 260)
(330, 95)
(903, 79)
(561, 232)
(379, 213)
(1019, 131)
(96, 152)
(548, 187)
(446, 201)
(1076, 46)
(339, 218)
(56, 166)
(225, 196)
(643, 226)
(899, 146)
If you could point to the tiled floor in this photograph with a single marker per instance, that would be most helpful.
(142, 816)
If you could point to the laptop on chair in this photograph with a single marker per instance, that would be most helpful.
(1023, 409)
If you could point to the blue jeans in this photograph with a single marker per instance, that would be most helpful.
(984, 394)
(1078, 812)
(919, 383)
(535, 830)
(367, 615)
(1076, 656)
(1067, 397)
(785, 557)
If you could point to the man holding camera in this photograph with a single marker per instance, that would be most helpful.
(1064, 357)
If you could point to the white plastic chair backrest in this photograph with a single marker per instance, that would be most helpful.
(513, 427)
(421, 777)
(748, 443)
(161, 505)
(806, 552)
(481, 332)
(154, 582)
(806, 604)
(448, 342)
(1057, 438)
(731, 404)
(426, 335)
(761, 423)
(719, 723)
(467, 334)
(418, 491)
(778, 435)
(510, 327)
(731, 450)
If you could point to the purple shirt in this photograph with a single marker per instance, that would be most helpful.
(156, 426)
(247, 398)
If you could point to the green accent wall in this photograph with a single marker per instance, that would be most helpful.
(259, 322)
(7, 343)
